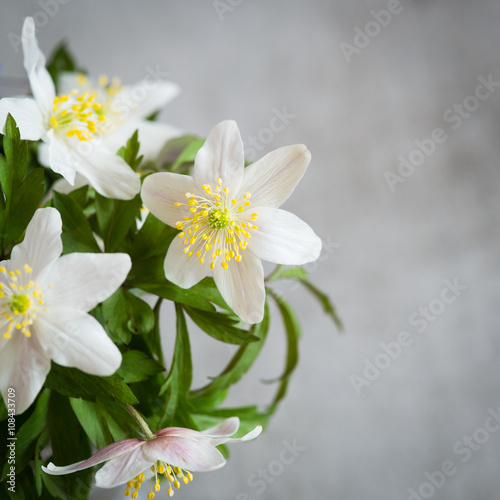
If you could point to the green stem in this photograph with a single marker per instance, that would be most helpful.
(142, 423)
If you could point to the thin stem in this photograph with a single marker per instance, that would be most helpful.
(142, 423)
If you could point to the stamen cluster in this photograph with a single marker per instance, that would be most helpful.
(173, 474)
(218, 225)
(20, 301)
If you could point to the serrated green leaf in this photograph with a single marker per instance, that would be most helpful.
(211, 394)
(131, 150)
(282, 272)
(125, 314)
(76, 384)
(77, 234)
(137, 366)
(220, 326)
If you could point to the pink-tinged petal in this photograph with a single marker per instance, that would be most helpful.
(185, 453)
(152, 136)
(61, 158)
(283, 238)
(144, 98)
(41, 83)
(272, 179)
(109, 174)
(182, 270)
(123, 468)
(160, 191)
(109, 452)
(75, 339)
(225, 429)
(94, 277)
(42, 243)
(27, 114)
(221, 157)
(24, 367)
(242, 286)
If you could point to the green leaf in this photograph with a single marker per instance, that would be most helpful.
(104, 422)
(188, 153)
(42, 442)
(241, 362)
(220, 326)
(131, 150)
(281, 272)
(77, 234)
(176, 387)
(22, 193)
(125, 314)
(61, 60)
(325, 301)
(24, 441)
(292, 330)
(76, 384)
(69, 445)
(137, 366)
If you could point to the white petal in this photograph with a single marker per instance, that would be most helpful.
(41, 83)
(109, 452)
(109, 174)
(64, 187)
(283, 238)
(182, 270)
(225, 429)
(24, 367)
(160, 191)
(242, 287)
(61, 158)
(272, 179)
(221, 157)
(152, 136)
(68, 81)
(75, 339)
(144, 98)
(28, 117)
(124, 468)
(42, 243)
(187, 453)
(83, 280)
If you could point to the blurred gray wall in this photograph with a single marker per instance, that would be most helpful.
(362, 89)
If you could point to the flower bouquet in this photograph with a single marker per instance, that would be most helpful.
(106, 215)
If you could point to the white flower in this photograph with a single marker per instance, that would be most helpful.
(229, 218)
(126, 108)
(44, 299)
(173, 452)
(71, 125)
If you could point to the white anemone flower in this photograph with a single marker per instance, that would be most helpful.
(173, 453)
(44, 300)
(229, 218)
(126, 108)
(71, 125)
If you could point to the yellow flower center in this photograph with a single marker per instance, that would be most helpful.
(174, 475)
(218, 225)
(20, 301)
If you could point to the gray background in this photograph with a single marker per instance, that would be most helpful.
(387, 253)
